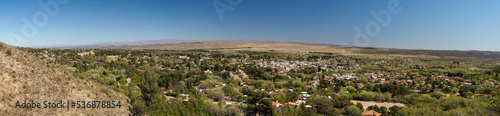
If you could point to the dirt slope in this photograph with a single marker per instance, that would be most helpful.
(23, 77)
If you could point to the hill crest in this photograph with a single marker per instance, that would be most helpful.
(29, 78)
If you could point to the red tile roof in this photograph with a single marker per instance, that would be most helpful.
(370, 113)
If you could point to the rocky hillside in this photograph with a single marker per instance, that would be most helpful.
(23, 77)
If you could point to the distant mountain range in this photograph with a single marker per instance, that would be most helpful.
(177, 41)
(282, 46)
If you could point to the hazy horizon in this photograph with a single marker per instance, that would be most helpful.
(412, 24)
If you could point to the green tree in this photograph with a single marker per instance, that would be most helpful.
(217, 96)
(228, 90)
(324, 83)
(447, 89)
(136, 78)
(360, 106)
(226, 75)
(122, 81)
(149, 87)
(394, 109)
(138, 108)
(352, 111)
(383, 110)
(324, 106)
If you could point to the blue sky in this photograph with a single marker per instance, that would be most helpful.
(421, 24)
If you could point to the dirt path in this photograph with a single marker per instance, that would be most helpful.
(169, 97)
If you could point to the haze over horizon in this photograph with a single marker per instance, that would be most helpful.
(413, 24)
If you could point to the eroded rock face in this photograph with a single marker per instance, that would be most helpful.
(23, 77)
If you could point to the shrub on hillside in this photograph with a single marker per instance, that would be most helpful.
(9, 52)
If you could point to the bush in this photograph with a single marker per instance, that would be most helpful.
(415, 97)
(138, 107)
(383, 110)
(324, 106)
(233, 111)
(497, 69)
(110, 81)
(437, 94)
(352, 111)
(122, 81)
(365, 96)
(9, 52)
(360, 106)
(216, 111)
(217, 96)
(394, 109)
(229, 91)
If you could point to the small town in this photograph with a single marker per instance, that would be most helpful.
(278, 83)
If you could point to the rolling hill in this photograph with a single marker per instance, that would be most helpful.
(24, 77)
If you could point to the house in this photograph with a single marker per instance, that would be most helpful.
(86, 53)
(370, 113)
(184, 57)
(128, 81)
(184, 95)
(292, 103)
(277, 104)
(305, 95)
(360, 85)
(301, 101)
(228, 103)
(239, 71)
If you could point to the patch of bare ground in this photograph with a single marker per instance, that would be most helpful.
(371, 103)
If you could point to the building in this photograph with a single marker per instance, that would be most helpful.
(292, 103)
(305, 95)
(277, 104)
(229, 103)
(301, 101)
(184, 95)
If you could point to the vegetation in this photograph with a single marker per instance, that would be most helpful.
(8, 52)
(202, 82)
(25, 77)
